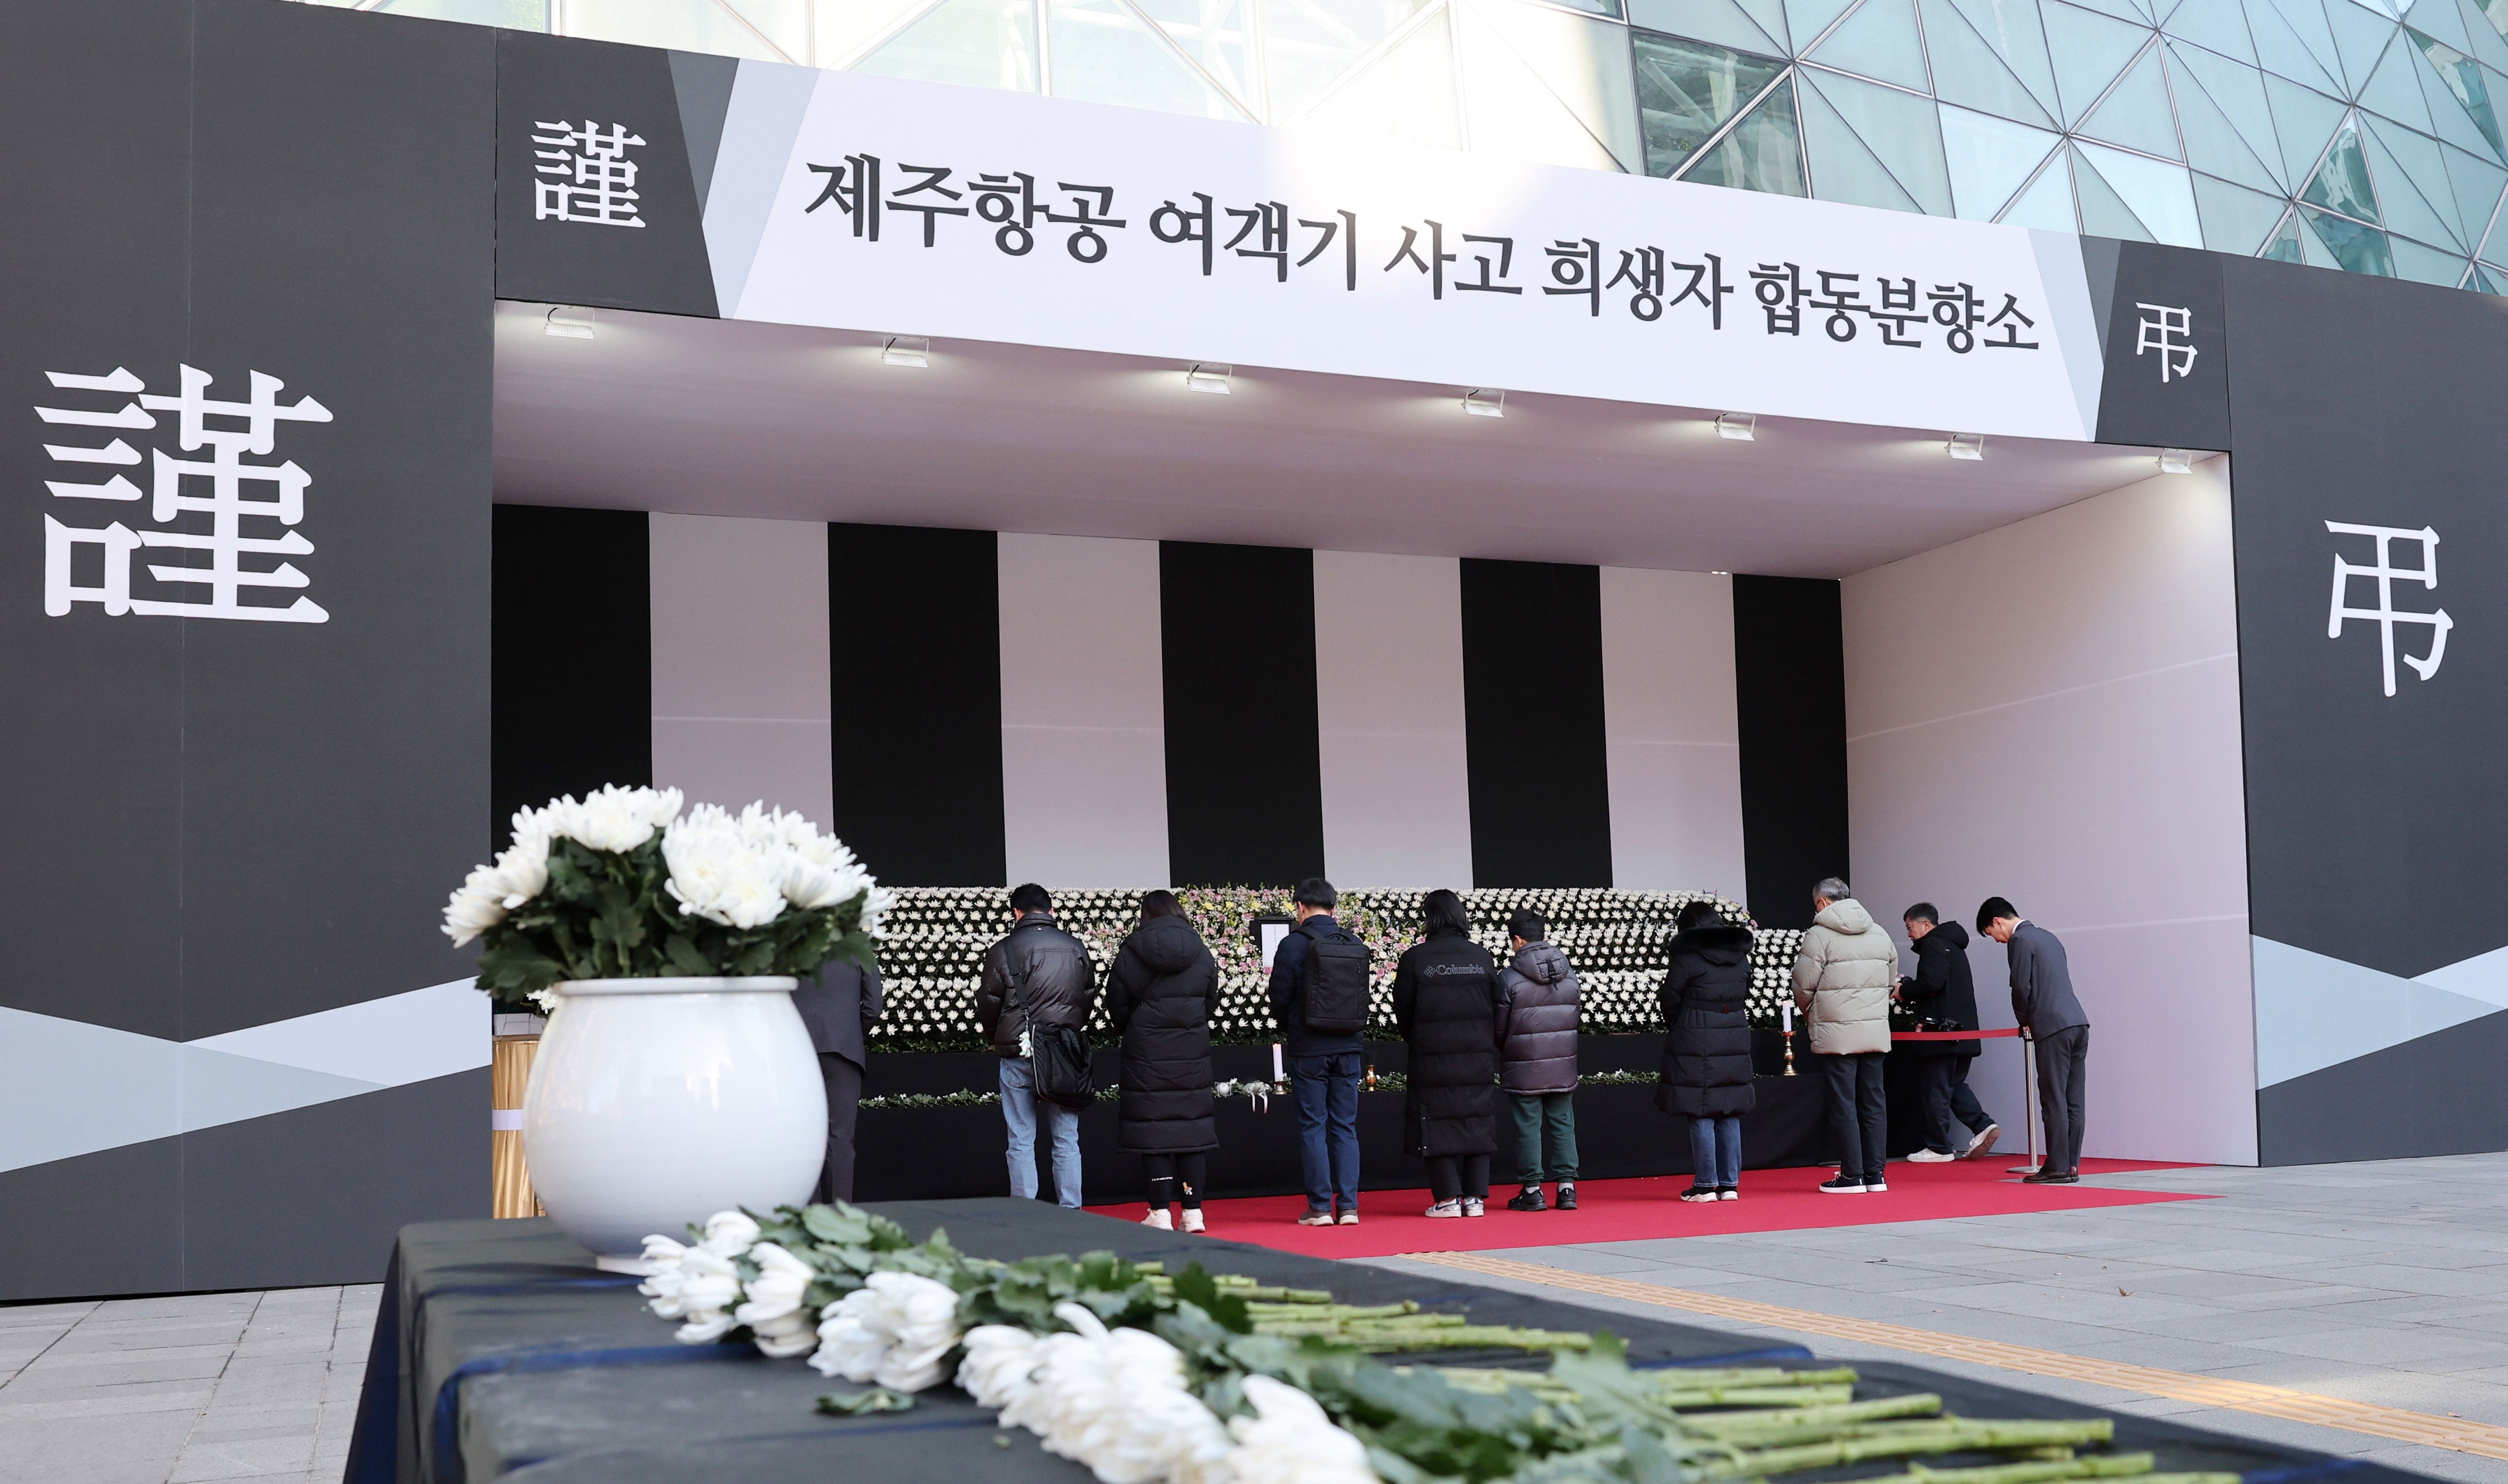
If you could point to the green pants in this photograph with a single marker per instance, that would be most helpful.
(1545, 1137)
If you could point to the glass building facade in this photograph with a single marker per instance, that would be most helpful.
(2344, 133)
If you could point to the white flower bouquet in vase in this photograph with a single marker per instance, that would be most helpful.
(676, 1074)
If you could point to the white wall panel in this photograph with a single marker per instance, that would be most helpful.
(1669, 723)
(739, 661)
(1389, 707)
(1084, 722)
(2049, 712)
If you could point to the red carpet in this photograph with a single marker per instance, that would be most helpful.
(1623, 1211)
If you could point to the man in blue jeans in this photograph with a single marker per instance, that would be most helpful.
(1323, 1063)
(1037, 976)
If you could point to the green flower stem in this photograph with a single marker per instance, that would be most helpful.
(1807, 1422)
(1911, 1440)
(2103, 1466)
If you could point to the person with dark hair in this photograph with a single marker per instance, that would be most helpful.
(838, 1004)
(1843, 975)
(1536, 1026)
(1445, 996)
(1320, 976)
(1161, 992)
(2043, 1007)
(1943, 997)
(1039, 975)
(1707, 1072)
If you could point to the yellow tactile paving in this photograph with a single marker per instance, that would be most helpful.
(2480, 1438)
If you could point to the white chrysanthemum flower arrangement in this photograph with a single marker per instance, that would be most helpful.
(622, 884)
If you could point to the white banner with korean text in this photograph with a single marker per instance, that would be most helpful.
(877, 204)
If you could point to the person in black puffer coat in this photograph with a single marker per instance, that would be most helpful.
(1943, 996)
(1707, 1047)
(1161, 993)
(1537, 1027)
(1445, 996)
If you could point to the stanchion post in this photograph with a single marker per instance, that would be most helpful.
(2028, 1109)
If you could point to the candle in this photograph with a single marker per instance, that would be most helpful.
(1277, 1070)
(1789, 1010)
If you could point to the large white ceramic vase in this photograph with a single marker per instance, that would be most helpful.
(654, 1103)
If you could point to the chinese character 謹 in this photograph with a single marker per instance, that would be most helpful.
(586, 174)
(2170, 331)
(2385, 615)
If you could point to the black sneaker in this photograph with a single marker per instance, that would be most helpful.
(1842, 1185)
(1699, 1193)
(1527, 1199)
(1566, 1196)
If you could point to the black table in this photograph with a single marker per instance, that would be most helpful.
(500, 1348)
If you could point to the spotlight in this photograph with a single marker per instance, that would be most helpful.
(2177, 460)
(1968, 446)
(566, 323)
(1208, 377)
(1485, 402)
(1741, 427)
(907, 350)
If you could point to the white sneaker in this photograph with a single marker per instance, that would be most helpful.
(1984, 1143)
(1475, 1208)
(1193, 1219)
(1931, 1157)
(1875, 1187)
(1159, 1219)
(1447, 1208)
(1728, 1193)
(1349, 1218)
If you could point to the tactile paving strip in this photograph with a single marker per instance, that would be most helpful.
(2454, 1433)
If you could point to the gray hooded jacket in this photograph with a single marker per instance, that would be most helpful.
(1536, 1022)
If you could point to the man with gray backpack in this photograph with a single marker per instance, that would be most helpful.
(1320, 975)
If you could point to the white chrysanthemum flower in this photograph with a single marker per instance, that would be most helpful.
(613, 818)
(474, 907)
(709, 1286)
(895, 1331)
(1116, 1400)
(772, 1307)
(1000, 1364)
(718, 873)
(1289, 1441)
(728, 1234)
(662, 1285)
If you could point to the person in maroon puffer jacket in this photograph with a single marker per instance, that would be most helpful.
(1536, 1028)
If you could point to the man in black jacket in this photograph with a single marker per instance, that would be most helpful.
(1323, 1065)
(838, 1006)
(1039, 975)
(1943, 997)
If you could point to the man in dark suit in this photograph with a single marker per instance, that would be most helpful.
(838, 1006)
(2043, 1007)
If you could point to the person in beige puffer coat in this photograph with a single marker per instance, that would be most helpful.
(1843, 975)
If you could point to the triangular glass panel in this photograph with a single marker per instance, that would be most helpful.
(2312, 249)
(2162, 194)
(1509, 111)
(2360, 37)
(706, 28)
(1723, 22)
(2476, 184)
(2426, 265)
(1217, 34)
(2235, 220)
(2137, 112)
(2356, 249)
(1104, 53)
(2219, 25)
(2401, 203)
(2448, 117)
(2482, 281)
(2341, 182)
(1584, 62)
(2046, 202)
(2394, 89)
(785, 24)
(1685, 92)
(2305, 121)
(973, 42)
(1967, 72)
(1842, 168)
(2280, 50)
(2441, 20)
(2283, 246)
(1307, 46)
(2212, 142)
(1990, 158)
(1763, 152)
(1771, 17)
(1810, 19)
(2017, 34)
(2104, 213)
(2306, 22)
(844, 31)
(2238, 92)
(2088, 49)
(2462, 78)
(1405, 96)
(1903, 130)
(2489, 48)
(2123, 10)
(1879, 41)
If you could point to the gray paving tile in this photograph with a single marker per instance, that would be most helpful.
(43, 1375)
(187, 1398)
(236, 1458)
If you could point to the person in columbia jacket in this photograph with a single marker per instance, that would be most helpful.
(2045, 1008)
(1843, 975)
(1445, 996)
(1038, 975)
(1707, 1073)
(1943, 997)
(1160, 993)
(1323, 1066)
(1537, 1027)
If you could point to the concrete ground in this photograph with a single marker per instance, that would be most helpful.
(2378, 1283)
(2381, 1283)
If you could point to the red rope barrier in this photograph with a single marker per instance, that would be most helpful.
(1952, 1035)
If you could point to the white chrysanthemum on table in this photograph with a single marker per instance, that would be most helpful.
(895, 1331)
(1289, 1441)
(773, 1310)
(1116, 1400)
